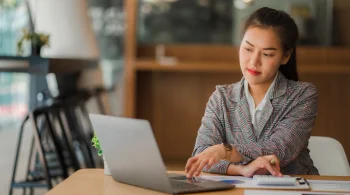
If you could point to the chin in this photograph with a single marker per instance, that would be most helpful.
(253, 80)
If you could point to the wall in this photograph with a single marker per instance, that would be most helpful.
(341, 23)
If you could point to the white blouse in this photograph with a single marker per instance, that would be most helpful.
(255, 112)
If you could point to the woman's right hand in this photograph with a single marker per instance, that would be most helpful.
(261, 166)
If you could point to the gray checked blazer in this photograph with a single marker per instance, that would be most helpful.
(286, 121)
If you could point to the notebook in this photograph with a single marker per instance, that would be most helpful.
(250, 183)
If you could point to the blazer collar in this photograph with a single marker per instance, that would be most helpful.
(280, 88)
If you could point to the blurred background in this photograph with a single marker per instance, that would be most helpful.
(158, 60)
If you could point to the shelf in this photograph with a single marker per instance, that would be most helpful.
(325, 69)
(152, 65)
(188, 66)
(39, 65)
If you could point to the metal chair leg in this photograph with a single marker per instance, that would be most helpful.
(31, 151)
(40, 150)
(80, 136)
(31, 192)
(68, 140)
(57, 146)
(14, 170)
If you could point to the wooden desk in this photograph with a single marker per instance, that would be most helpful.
(94, 182)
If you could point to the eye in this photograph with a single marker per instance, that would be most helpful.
(248, 49)
(268, 55)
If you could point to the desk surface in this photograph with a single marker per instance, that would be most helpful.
(93, 181)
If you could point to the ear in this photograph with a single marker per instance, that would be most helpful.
(286, 56)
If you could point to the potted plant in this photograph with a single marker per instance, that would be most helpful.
(96, 144)
(38, 40)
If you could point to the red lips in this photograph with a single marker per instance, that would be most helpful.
(253, 72)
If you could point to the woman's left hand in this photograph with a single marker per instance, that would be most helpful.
(207, 158)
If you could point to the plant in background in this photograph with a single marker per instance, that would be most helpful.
(8, 3)
(37, 40)
(96, 144)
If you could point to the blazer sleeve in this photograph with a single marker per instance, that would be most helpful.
(211, 131)
(290, 135)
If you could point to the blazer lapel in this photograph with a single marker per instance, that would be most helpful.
(265, 116)
(279, 89)
(242, 112)
(242, 115)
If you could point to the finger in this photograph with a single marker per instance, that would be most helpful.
(270, 168)
(189, 163)
(210, 163)
(193, 169)
(262, 165)
(277, 171)
(200, 167)
(278, 164)
(274, 164)
(274, 161)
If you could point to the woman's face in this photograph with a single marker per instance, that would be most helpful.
(260, 55)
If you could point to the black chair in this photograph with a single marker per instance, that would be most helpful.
(53, 156)
(82, 116)
(97, 93)
(81, 129)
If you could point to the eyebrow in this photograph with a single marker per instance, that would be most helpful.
(268, 48)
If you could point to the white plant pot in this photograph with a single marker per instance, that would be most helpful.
(105, 166)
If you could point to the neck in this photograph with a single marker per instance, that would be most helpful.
(258, 91)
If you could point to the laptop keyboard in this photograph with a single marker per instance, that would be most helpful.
(183, 185)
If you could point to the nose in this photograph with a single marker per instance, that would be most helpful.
(255, 59)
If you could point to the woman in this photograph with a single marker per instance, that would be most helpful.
(261, 124)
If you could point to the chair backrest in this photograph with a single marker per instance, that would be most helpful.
(329, 156)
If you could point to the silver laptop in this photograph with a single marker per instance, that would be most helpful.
(133, 157)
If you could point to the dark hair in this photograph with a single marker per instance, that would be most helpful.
(287, 31)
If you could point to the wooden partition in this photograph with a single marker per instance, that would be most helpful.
(174, 97)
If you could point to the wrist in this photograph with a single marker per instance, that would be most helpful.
(235, 169)
(221, 151)
(242, 169)
(228, 149)
(236, 156)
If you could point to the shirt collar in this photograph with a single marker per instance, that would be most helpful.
(236, 92)
(268, 93)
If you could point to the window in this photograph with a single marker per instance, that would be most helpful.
(14, 86)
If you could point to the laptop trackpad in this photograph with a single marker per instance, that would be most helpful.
(177, 176)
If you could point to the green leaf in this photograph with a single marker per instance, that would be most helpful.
(100, 152)
(96, 143)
